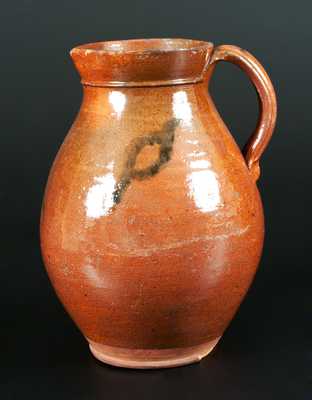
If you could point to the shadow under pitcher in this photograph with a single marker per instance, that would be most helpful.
(152, 225)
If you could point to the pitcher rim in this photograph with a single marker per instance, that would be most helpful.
(149, 45)
(142, 62)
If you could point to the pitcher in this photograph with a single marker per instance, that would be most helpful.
(152, 224)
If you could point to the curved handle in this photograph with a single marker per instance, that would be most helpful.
(267, 100)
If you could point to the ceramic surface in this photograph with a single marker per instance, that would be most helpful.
(152, 225)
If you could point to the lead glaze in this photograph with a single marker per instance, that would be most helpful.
(152, 225)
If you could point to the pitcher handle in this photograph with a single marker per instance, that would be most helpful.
(267, 102)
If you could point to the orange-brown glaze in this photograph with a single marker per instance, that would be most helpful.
(152, 225)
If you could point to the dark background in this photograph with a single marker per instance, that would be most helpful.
(266, 352)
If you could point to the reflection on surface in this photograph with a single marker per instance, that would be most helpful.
(118, 101)
(92, 275)
(95, 278)
(181, 107)
(201, 164)
(100, 196)
(204, 188)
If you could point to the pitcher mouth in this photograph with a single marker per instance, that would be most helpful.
(142, 62)
(145, 45)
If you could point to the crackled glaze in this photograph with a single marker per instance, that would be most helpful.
(152, 225)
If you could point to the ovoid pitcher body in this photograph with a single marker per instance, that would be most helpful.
(152, 225)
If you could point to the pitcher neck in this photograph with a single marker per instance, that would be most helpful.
(142, 62)
(178, 101)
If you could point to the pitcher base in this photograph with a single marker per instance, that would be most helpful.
(151, 358)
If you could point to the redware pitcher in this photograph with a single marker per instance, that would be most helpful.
(152, 224)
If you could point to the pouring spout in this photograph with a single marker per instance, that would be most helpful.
(142, 62)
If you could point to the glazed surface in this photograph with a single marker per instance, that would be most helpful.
(152, 225)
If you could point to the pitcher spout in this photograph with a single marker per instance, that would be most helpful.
(142, 62)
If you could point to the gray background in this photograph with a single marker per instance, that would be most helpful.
(266, 352)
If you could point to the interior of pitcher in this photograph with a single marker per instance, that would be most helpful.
(146, 45)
